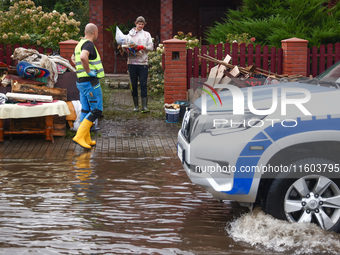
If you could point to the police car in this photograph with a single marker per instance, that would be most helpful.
(277, 146)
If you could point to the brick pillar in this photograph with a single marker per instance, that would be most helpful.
(97, 17)
(294, 56)
(67, 49)
(175, 81)
(166, 19)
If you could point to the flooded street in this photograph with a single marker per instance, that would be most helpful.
(116, 205)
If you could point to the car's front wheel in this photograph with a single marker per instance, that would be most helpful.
(310, 198)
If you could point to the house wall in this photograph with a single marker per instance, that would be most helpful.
(196, 15)
(188, 16)
(124, 12)
(96, 17)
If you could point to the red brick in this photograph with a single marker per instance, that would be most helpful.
(181, 89)
(177, 70)
(180, 79)
(179, 62)
(169, 83)
(171, 75)
(166, 7)
(294, 56)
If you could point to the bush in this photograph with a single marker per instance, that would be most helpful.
(192, 41)
(24, 23)
(156, 72)
(240, 38)
(271, 21)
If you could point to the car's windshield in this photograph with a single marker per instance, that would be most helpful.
(330, 77)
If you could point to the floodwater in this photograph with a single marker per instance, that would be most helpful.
(102, 205)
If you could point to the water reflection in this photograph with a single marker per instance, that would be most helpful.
(113, 205)
(83, 167)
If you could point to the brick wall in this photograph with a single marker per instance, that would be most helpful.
(196, 15)
(96, 17)
(166, 19)
(67, 49)
(124, 12)
(175, 82)
(185, 17)
(294, 56)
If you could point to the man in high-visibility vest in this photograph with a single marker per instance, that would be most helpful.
(89, 70)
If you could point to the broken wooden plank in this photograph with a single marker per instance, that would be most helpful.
(209, 58)
(56, 93)
(212, 75)
(220, 74)
(248, 71)
(227, 59)
(235, 71)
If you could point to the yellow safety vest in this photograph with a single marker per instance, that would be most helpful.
(95, 64)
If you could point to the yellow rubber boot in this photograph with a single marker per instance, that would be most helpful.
(81, 134)
(88, 139)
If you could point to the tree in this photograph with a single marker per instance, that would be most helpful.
(271, 21)
(59, 7)
(5, 4)
(80, 8)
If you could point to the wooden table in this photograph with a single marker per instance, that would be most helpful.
(18, 111)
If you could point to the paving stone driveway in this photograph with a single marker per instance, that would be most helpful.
(129, 138)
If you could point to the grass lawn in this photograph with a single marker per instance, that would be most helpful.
(118, 105)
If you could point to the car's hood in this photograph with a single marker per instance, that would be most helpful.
(263, 96)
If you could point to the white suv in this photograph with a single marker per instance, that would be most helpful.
(282, 152)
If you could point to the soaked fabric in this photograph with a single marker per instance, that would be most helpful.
(138, 72)
(21, 111)
(91, 100)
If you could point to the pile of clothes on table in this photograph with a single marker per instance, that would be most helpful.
(37, 69)
(54, 64)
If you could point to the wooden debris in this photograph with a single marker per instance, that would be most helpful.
(235, 71)
(237, 81)
(56, 93)
(220, 62)
(246, 72)
(212, 76)
(225, 73)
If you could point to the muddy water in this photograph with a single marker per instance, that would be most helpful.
(89, 205)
